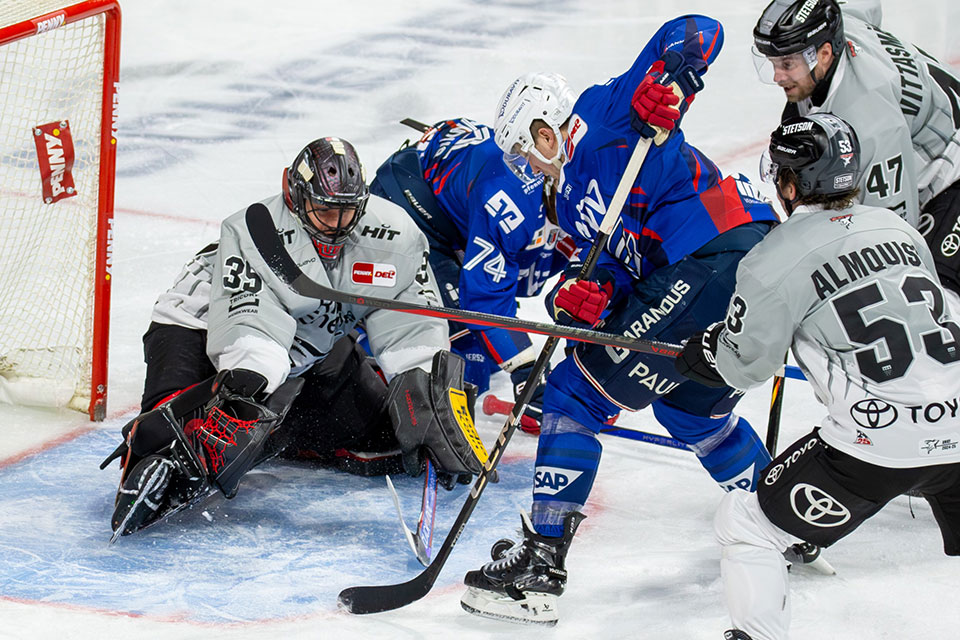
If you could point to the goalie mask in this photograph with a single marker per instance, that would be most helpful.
(822, 152)
(326, 188)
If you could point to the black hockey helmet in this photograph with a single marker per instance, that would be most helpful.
(820, 149)
(327, 173)
(791, 26)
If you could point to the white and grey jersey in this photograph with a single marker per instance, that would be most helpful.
(255, 321)
(186, 303)
(855, 295)
(904, 106)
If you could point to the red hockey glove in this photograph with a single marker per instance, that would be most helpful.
(663, 96)
(654, 103)
(580, 301)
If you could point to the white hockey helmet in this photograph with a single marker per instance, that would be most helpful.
(532, 96)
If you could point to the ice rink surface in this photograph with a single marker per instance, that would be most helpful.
(216, 98)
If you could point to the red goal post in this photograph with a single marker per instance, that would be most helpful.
(59, 69)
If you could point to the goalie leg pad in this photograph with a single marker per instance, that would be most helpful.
(233, 435)
(433, 415)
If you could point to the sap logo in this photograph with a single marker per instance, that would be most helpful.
(375, 274)
(51, 23)
(379, 233)
(552, 480)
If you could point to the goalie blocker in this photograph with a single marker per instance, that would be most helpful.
(432, 415)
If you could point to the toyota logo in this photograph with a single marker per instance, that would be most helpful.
(817, 507)
(774, 474)
(925, 224)
(873, 414)
(950, 245)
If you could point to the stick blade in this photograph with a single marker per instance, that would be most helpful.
(363, 600)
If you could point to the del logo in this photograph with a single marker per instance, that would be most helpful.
(552, 480)
(375, 274)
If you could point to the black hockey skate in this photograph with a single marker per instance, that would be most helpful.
(809, 555)
(158, 484)
(157, 487)
(523, 582)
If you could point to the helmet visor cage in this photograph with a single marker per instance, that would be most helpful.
(516, 160)
(769, 170)
(794, 66)
(328, 220)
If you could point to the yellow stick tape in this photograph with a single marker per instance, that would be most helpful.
(458, 401)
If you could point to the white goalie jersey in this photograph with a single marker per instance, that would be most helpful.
(855, 295)
(904, 106)
(255, 321)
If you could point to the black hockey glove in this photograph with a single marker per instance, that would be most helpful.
(519, 378)
(698, 360)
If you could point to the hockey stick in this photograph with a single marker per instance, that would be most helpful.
(776, 406)
(270, 245)
(373, 599)
(416, 124)
(802, 553)
(494, 405)
(420, 542)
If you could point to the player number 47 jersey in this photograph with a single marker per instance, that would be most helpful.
(854, 294)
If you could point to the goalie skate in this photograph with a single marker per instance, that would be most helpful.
(156, 488)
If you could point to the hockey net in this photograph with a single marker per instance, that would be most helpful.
(58, 75)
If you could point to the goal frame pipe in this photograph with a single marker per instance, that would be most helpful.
(107, 174)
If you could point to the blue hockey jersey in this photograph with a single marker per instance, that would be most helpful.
(509, 248)
(680, 200)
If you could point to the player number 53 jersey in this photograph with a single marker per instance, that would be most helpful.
(854, 293)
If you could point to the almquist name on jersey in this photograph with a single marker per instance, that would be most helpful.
(853, 266)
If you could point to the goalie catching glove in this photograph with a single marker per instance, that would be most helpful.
(432, 416)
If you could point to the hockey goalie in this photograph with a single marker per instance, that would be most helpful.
(241, 368)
